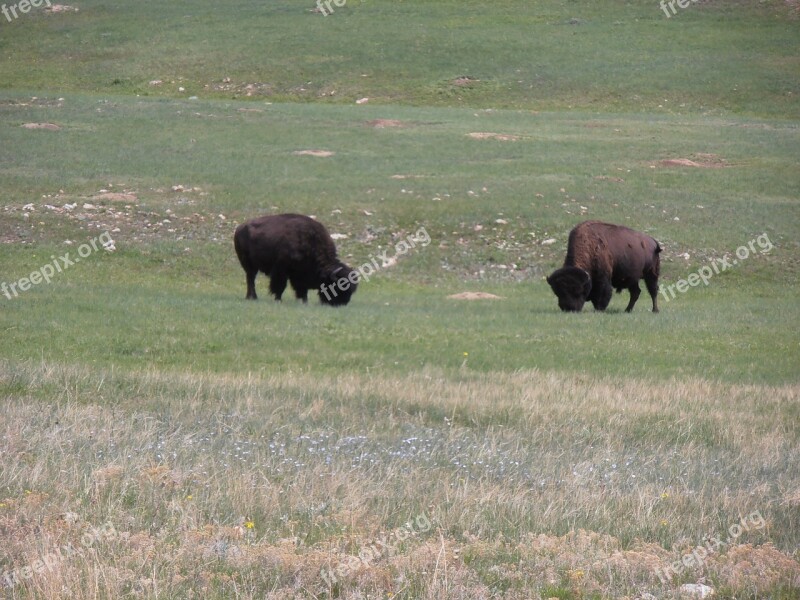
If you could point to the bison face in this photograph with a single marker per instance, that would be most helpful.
(338, 284)
(572, 287)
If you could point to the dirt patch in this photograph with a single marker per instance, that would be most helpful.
(116, 197)
(382, 123)
(703, 161)
(319, 153)
(475, 296)
(485, 135)
(464, 81)
(47, 126)
(60, 8)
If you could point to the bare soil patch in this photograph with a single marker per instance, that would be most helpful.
(60, 8)
(47, 126)
(319, 153)
(485, 135)
(474, 296)
(383, 123)
(703, 161)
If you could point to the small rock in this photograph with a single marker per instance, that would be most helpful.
(339, 236)
(696, 590)
(548, 241)
(87, 206)
(362, 100)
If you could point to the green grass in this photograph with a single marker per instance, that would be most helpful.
(619, 55)
(237, 448)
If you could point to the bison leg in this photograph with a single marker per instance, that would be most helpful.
(277, 283)
(635, 291)
(300, 291)
(601, 295)
(652, 288)
(251, 284)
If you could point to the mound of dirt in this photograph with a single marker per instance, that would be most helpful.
(320, 153)
(475, 296)
(48, 126)
(116, 197)
(703, 161)
(485, 135)
(60, 8)
(382, 123)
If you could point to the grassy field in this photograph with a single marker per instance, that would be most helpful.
(163, 438)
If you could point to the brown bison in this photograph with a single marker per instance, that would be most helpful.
(297, 249)
(602, 257)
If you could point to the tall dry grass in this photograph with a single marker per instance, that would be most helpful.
(534, 484)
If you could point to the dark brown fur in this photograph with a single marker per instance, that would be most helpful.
(602, 257)
(296, 249)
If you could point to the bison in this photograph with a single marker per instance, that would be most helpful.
(297, 249)
(602, 256)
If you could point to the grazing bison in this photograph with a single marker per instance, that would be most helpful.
(601, 256)
(297, 249)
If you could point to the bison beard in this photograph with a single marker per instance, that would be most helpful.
(602, 257)
(295, 249)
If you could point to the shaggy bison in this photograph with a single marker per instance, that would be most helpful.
(601, 256)
(297, 249)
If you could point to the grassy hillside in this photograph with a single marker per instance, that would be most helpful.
(712, 57)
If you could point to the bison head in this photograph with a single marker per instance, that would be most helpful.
(339, 282)
(572, 286)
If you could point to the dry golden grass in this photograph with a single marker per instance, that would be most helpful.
(535, 485)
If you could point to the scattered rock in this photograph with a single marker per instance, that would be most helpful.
(607, 178)
(60, 8)
(475, 296)
(696, 590)
(362, 100)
